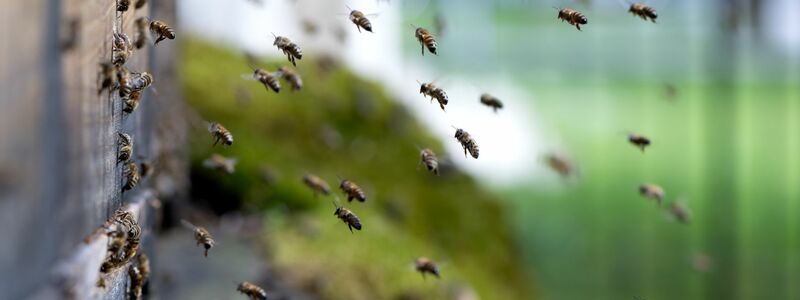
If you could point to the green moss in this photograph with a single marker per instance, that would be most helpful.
(340, 125)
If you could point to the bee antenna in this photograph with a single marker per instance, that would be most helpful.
(456, 128)
(348, 7)
(187, 224)
(413, 26)
(273, 34)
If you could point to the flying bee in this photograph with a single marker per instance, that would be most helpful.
(560, 165)
(348, 217)
(140, 3)
(680, 212)
(361, 21)
(121, 49)
(125, 143)
(426, 39)
(268, 79)
(137, 280)
(352, 191)
(252, 291)
(106, 77)
(639, 140)
(131, 102)
(573, 17)
(467, 142)
(425, 265)
(428, 158)
(132, 175)
(652, 191)
(318, 185)
(670, 91)
(643, 11)
(162, 30)
(220, 134)
(289, 48)
(123, 5)
(292, 77)
(201, 235)
(141, 30)
(430, 90)
(491, 101)
(221, 163)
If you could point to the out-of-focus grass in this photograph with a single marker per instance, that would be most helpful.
(342, 125)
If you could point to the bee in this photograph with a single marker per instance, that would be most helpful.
(106, 77)
(252, 291)
(643, 11)
(270, 80)
(162, 30)
(425, 265)
(121, 49)
(140, 3)
(680, 212)
(428, 158)
(426, 39)
(144, 264)
(146, 169)
(318, 185)
(123, 5)
(221, 163)
(292, 77)
(639, 141)
(132, 175)
(125, 143)
(291, 50)
(348, 217)
(670, 91)
(70, 38)
(491, 101)
(309, 27)
(573, 17)
(361, 21)
(560, 165)
(201, 235)
(352, 191)
(220, 134)
(131, 102)
(141, 30)
(133, 82)
(467, 142)
(430, 90)
(137, 280)
(652, 191)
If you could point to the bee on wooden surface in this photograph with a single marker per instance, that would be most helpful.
(141, 30)
(639, 140)
(121, 49)
(201, 235)
(467, 142)
(132, 176)
(131, 102)
(318, 185)
(360, 20)
(426, 39)
(680, 212)
(106, 77)
(643, 11)
(220, 134)
(125, 143)
(560, 165)
(425, 265)
(144, 264)
(430, 90)
(428, 158)
(289, 48)
(348, 217)
(268, 79)
(252, 291)
(573, 17)
(352, 191)
(162, 30)
(137, 280)
(652, 191)
(140, 3)
(491, 101)
(70, 38)
(292, 77)
(123, 5)
(221, 163)
(134, 82)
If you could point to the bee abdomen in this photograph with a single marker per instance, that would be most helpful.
(430, 42)
(273, 83)
(352, 220)
(364, 23)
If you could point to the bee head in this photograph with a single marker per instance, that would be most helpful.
(459, 132)
(424, 88)
(338, 209)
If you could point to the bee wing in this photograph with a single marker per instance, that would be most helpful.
(247, 77)
(188, 224)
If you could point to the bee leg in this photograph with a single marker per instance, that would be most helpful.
(578, 26)
(422, 47)
(215, 142)
(359, 28)
(350, 227)
(465, 151)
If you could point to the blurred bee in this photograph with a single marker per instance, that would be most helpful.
(144, 264)
(491, 101)
(132, 175)
(560, 165)
(221, 163)
(270, 80)
(638, 140)
(146, 169)
(140, 3)
(426, 39)
(106, 77)
(121, 49)
(425, 265)
(348, 218)
(137, 280)
(309, 27)
(133, 82)
(123, 5)
(220, 134)
(352, 191)
(430, 90)
(292, 77)
(318, 185)
(268, 174)
(125, 143)
(467, 142)
(573, 17)
(361, 21)
(428, 158)
(252, 291)
(162, 30)
(141, 30)
(643, 11)
(680, 212)
(70, 38)
(670, 91)
(652, 191)
(291, 50)
(131, 102)
(201, 235)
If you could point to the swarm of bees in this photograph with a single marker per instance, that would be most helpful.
(252, 291)
(121, 49)
(201, 235)
(123, 243)
(560, 165)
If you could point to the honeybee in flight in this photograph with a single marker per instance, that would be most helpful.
(141, 31)
(652, 191)
(425, 265)
(430, 90)
(679, 211)
(639, 141)
(220, 134)
(491, 101)
(268, 79)
(132, 175)
(560, 165)
(573, 17)
(292, 77)
(347, 217)
(352, 191)
(426, 39)
(361, 21)
(221, 163)
(428, 158)
(201, 235)
(318, 185)
(643, 11)
(125, 143)
(252, 291)
(467, 142)
(121, 49)
(289, 48)
(162, 30)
